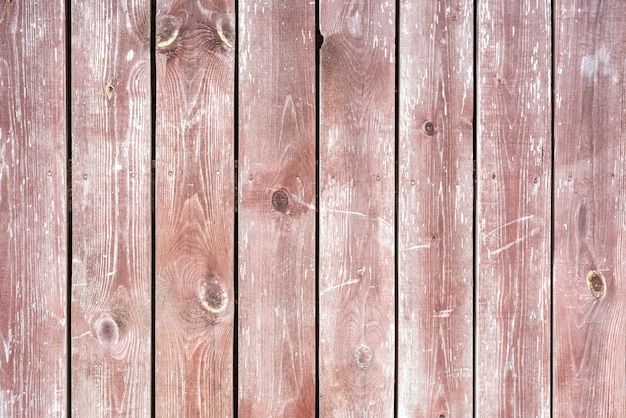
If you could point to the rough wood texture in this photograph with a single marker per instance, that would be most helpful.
(435, 242)
(357, 223)
(33, 255)
(277, 209)
(589, 216)
(111, 236)
(513, 209)
(194, 208)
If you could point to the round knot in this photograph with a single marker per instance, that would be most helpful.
(280, 201)
(107, 331)
(363, 356)
(213, 295)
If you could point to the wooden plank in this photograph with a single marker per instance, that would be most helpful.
(111, 237)
(589, 201)
(276, 343)
(513, 209)
(194, 208)
(436, 186)
(357, 204)
(33, 212)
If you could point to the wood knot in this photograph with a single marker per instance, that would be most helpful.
(107, 331)
(109, 90)
(596, 284)
(280, 201)
(225, 27)
(213, 295)
(167, 28)
(429, 128)
(363, 356)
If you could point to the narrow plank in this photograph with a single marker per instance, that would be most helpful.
(435, 241)
(513, 209)
(194, 208)
(111, 238)
(33, 248)
(357, 204)
(276, 209)
(589, 217)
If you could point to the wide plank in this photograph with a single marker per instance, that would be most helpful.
(111, 234)
(589, 217)
(435, 209)
(33, 210)
(194, 208)
(276, 211)
(357, 204)
(513, 173)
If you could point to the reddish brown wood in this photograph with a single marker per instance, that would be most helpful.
(590, 197)
(277, 209)
(111, 238)
(194, 208)
(357, 203)
(513, 209)
(33, 255)
(435, 242)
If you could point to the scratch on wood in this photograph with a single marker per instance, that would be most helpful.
(360, 214)
(416, 247)
(338, 286)
(520, 219)
(510, 244)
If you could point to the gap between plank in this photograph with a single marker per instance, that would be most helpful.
(552, 150)
(68, 200)
(235, 360)
(475, 122)
(396, 210)
(319, 42)
(153, 104)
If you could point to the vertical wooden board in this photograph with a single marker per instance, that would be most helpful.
(277, 209)
(513, 209)
(194, 208)
(357, 203)
(33, 248)
(435, 241)
(111, 236)
(589, 216)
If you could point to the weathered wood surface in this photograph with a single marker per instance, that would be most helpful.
(589, 202)
(448, 228)
(111, 235)
(194, 208)
(357, 204)
(435, 241)
(33, 247)
(512, 339)
(276, 343)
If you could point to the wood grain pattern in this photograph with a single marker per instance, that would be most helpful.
(194, 208)
(277, 209)
(33, 247)
(435, 241)
(589, 216)
(111, 238)
(357, 203)
(513, 209)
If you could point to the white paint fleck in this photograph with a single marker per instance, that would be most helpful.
(444, 313)
(130, 55)
(599, 63)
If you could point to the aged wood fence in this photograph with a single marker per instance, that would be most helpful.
(355, 208)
